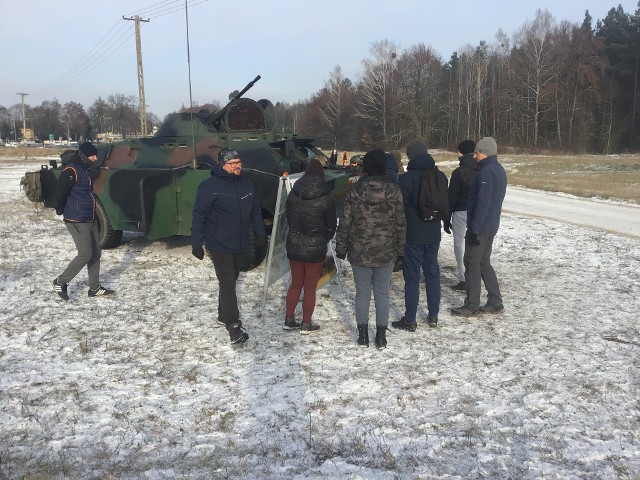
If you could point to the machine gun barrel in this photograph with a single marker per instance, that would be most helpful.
(214, 117)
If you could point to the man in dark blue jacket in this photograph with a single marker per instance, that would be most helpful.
(484, 208)
(423, 243)
(75, 200)
(225, 208)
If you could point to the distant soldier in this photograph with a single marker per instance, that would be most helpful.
(76, 201)
(225, 208)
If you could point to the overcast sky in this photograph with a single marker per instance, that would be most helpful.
(75, 50)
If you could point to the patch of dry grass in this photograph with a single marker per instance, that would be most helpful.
(615, 177)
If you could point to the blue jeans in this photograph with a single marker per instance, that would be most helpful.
(378, 279)
(417, 258)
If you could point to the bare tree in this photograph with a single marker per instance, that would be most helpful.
(419, 95)
(338, 107)
(539, 64)
(375, 89)
(77, 121)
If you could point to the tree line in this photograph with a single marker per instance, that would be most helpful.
(71, 121)
(550, 86)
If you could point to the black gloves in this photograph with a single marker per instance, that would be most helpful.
(198, 252)
(341, 256)
(398, 265)
(473, 238)
(260, 241)
(446, 224)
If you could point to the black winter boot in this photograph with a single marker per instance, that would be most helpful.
(363, 334)
(381, 336)
(291, 324)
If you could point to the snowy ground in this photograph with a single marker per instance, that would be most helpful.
(145, 385)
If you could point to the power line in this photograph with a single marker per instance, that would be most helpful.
(111, 42)
(99, 60)
(177, 8)
(103, 47)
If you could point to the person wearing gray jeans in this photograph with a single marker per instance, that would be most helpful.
(76, 201)
(372, 232)
(378, 280)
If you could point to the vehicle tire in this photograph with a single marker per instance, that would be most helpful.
(255, 255)
(109, 238)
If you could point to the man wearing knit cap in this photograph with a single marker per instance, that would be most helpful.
(484, 208)
(225, 210)
(459, 186)
(422, 245)
(76, 202)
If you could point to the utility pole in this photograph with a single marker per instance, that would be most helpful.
(143, 110)
(24, 120)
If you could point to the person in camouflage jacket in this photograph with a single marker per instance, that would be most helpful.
(371, 234)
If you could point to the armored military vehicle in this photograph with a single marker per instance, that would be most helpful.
(149, 184)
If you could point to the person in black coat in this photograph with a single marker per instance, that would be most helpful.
(225, 208)
(311, 215)
(461, 181)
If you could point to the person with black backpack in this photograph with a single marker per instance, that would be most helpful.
(423, 235)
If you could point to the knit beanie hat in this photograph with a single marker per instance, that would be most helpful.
(314, 167)
(487, 145)
(87, 149)
(466, 146)
(227, 154)
(373, 162)
(415, 148)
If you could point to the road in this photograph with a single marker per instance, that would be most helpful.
(623, 219)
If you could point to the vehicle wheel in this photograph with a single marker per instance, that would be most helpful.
(109, 238)
(255, 255)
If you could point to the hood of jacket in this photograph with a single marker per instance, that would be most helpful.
(309, 187)
(421, 162)
(467, 161)
(374, 189)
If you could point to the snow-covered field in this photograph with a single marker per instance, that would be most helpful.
(145, 386)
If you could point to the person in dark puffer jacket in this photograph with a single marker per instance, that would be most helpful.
(311, 215)
(461, 181)
(76, 201)
(372, 231)
(225, 208)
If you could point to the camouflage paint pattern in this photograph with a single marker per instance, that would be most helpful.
(372, 228)
(149, 184)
